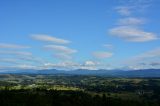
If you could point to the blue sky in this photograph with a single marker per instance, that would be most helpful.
(72, 34)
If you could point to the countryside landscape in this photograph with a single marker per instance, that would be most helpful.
(78, 90)
(79, 53)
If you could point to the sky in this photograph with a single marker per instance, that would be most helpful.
(79, 34)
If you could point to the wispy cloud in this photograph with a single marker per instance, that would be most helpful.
(22, 53)
(149, 54)
(20, 60)
(149, 59)
(123, 10)
(61, 49)
(66, 65)
(102, 55)
(51, 39)
(131, 21)
(9, 60)
(70, 65)
(90, 63)
(20, 57)
(12, 46)
(129, 7)
(58, 51)
(19, 67)
(128, 27)
(26, 66)
(94, 65)
(132, 34)
(155, 64)
(61, 52)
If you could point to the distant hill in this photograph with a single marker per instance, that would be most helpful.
(140, 73)
(101, 72)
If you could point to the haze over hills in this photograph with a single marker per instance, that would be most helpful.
(100, 72)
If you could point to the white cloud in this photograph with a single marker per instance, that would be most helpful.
(12, 46)
(149, 59)
(132, 34)
(66, 65)
(22, 53)
(131, 21)
(149, 54)
(9, 60)
(155, 64)
(61, 49)
(47, 38)
(69, 65)
(19, 57)
(128, 7)
(89, 67)
(22, 62)
(123, 10)
(18, 67)
(16, 60)
(128, 27)
(102, 55)
(94, 65)
(90, 63)
(60, 52)
(26, 66)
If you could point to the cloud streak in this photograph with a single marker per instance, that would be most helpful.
(146, 60)
(9, 60)
(131, 21)
(61, 49)
(22, 53)
(50, 39)
(132, 34)
(123, 10)
(128, 7)
(61, 52)
(12, 46)
(128, 27)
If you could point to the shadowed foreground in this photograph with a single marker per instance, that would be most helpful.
(41, 97)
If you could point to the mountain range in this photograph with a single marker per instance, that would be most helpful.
(100, 72)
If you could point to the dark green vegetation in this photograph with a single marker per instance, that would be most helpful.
(65, 90)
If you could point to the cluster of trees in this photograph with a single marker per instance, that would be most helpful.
(40, 97)
(34, 90)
